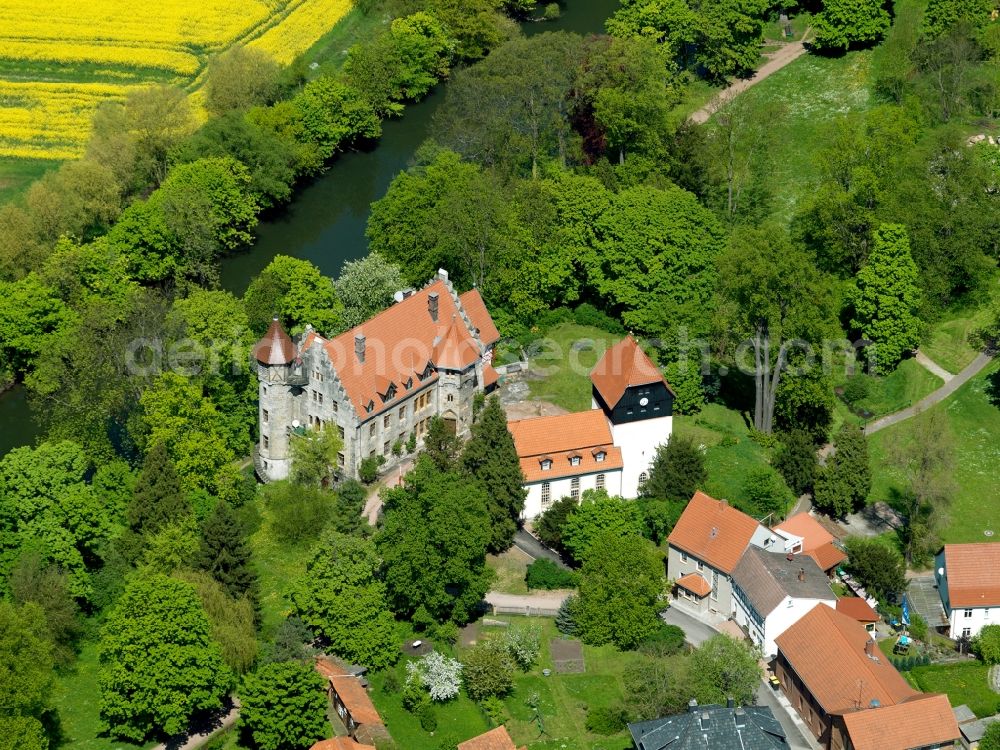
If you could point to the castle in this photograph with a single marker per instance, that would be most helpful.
(379, 383)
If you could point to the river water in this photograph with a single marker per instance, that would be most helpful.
(325, 222)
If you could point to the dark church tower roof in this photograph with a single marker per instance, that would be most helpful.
(276, 347)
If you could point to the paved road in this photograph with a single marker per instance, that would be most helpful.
(536, 599)
(933, 367)
(777, 61)
(697, 632)
(977, 366)
(535, 549)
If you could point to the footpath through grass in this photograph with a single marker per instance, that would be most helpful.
(974, 418)
(903, 387)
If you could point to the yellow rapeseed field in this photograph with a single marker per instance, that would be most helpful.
(59, 59)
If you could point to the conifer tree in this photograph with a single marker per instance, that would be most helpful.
(844, 483)
(157, 501)
(441, 445)
(225, 555)
(490, 457)
(678, 470)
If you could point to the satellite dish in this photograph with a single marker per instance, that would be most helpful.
(940, 571)
(295, 424)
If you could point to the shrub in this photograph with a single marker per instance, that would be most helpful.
(489, 670)
(986, 645)
(439, 674)
(523, 642)
(391, 685)
(368, 471)
(545, 574)
(918, 627)
(857, 388)
(428, 718)
(496, 712)
(606, 720)
(666, 640)
(414, 695)
(565, 619)
(552, 318)
(551, 12)
(588, 315)
(299, 514)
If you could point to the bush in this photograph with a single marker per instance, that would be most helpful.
(414, 695)
(391, 685)
(588, 315)
(666, 640)
(986, 645)
(368, 471)
(552, 318)
(298, 514)
(496, 712)
(488, 671)
(918, 627)
(523, 643)
(545, 574)
(428, 718)
(857, 388)
(606, 720)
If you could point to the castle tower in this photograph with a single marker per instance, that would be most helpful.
(638, 404)
(279, 376)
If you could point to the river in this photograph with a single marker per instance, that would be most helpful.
(325, 222)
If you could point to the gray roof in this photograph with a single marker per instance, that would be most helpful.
(711, 728)
(768, 577)
(972, 728)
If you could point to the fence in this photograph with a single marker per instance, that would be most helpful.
(528, 611)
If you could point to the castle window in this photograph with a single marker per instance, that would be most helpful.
(385, 448)
(642, 478)
(340, 432)
(264, 415)
(320, 398)
(450, 398)
(385, 421)
(546, 464)
(334, 406)
(340, 460)
(600, 482)
(371, 430)
(574, 488)
(263, 389)
(546, 495)
(315, 396)
(267, 442)
(402, 413)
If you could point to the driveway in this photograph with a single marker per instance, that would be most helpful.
(697, 632)
(530, 545)
(925, 599)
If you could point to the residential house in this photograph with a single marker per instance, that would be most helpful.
(379, 383)
(858, 609)
(495, 739)
(610, 447)
(968, 580)
(805, 535)
(772, 590)
(704, 548)
(351, 701)
(711, 726)
(849, 694)
(340, 743)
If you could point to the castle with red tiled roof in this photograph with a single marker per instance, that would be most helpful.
(379, 383)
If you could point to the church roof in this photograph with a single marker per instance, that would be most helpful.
(276, 347)
(558, 438)
(623, 366)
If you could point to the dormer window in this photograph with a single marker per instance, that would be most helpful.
(370, 407)
(574, 460)
(409, 383)
(599, 456)
(546, 464)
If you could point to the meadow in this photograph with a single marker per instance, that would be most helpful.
(58, 65)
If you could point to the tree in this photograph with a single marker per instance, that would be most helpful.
(333, 116)
(26, 666)
(488, 670)
(47, 586)
(795, 460)
(986, 644)
(878, 567)
(726, 668)
(771, 294)
(842, 486)
(927, 460)
(231, 619)
(366, 287)
(284, 706)
(314, 455)
(843, 23)
(659, 517)
(433, 544)
(678, 469)
(298, 293)
(32, 316)
(887, 298)
(598, 514)
(159, 663)
(491, 458)
(549, 526)
(343, 598)
(658, 687)
(439, 674)
(942, 15)
(240, 78)
(157, 499)
(224, 554)
(441, 445)
(620, 592)
(764, 493)
(686, 381)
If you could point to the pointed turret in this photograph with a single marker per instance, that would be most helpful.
(276, 347)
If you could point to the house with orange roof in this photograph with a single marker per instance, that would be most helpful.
(495, 739)
(379, 383)
(860, 610)
(968, 580)
(351, 702)
(704, 549)
(850, 695)
(610, 447)
(340, 743)
(804, 534)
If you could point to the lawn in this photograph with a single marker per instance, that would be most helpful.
(510, 568)
(812, 92)
(975, 425)
(906, 385)
(560, 363)
(561, 698)
(947, 341)
(964, 682)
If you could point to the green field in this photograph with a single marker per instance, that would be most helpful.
(16, 175)
(903, 387)
(965, 682)
(561, 360)
(947, 341)
(975, 424)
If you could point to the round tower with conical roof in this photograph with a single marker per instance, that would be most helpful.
(279, 375)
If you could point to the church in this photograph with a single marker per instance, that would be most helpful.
(610, 447)
(378, 384)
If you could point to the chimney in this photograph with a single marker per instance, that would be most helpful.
(706, 720)
(442, 274)
(693, 706)
(789, 557)
(740, 717)
(730, 703)
(802, 574)
(359, 346)
(432, 305)
(870, 648)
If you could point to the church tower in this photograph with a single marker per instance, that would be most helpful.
(638, 404)
(280, 381)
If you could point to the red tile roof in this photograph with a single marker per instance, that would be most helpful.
(340, 743)
(355, 699)
(827, 556)
(475, 308)
(495, 739)
(826, 649)
(557, 438)
(276, 347)
(920, 722)
(817, 542)
(858, 608)
(623, 366)
(695, 584)
(713, 531)
(973, 572)
(400, 343)
(490, 375)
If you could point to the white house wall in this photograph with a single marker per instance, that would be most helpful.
(979, 617)
(562, 487)
(638, 442)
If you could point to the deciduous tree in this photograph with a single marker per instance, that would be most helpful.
(26, 666)
(726, 668)
(598, 514)
(284, 706)
(678, 469)
(366, 287)
(843, 23)
(240, 78)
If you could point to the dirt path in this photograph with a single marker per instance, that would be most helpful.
(936, 397)
(932, 367)
(193, 741)
(776, 61)
(373, 503)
